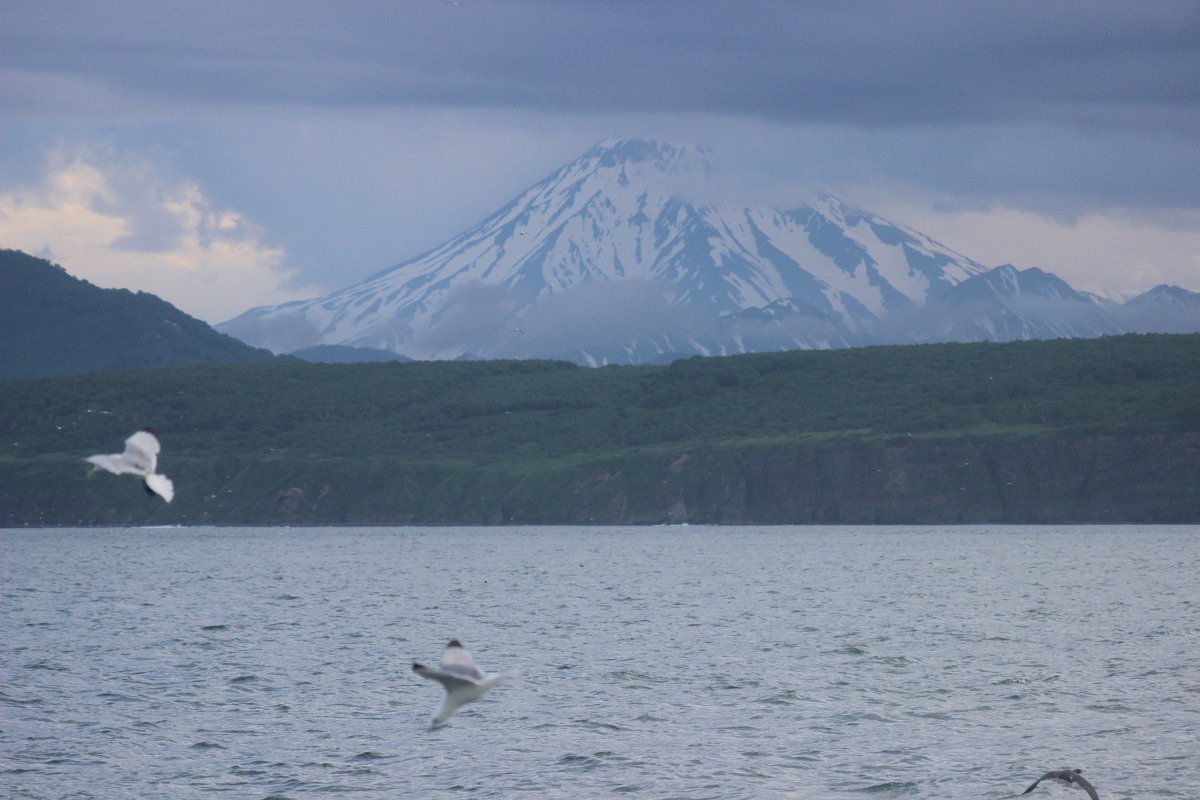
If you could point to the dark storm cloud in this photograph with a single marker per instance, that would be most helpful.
(1090, 62)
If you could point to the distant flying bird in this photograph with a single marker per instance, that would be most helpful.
(1072, 776)
(463, 681)
(140, 458)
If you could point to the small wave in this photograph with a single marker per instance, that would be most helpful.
(1114, 705)
(853, 718)
(207, 746)
(70, 762)
(849, 650)
(584, 762)
(894, 660)
(632, 680)
(369, 755)
(604, 726)
(942, 715)
(891, 787)
(804, 758)
(1111, 731)
(786, 697)
(214, 627)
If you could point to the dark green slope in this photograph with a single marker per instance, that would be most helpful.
(54, 324)
(1069, 430)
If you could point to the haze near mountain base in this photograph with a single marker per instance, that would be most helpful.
(627, 255)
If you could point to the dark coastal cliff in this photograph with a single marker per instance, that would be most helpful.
(1152, 478)
(1032, 432)
(1098, 479)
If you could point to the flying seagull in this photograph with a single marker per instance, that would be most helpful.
(463, 681)
(1074, 776)
(140, 458)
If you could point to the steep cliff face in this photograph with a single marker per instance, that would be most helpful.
(1093, 479)
(1090, 479)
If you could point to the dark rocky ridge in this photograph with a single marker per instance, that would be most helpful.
(52, 323)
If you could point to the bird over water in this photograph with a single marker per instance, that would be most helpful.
(1071, 776)
(463, 681)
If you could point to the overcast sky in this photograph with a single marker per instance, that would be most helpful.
(230, 154)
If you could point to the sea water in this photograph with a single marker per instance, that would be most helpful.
(656, 662)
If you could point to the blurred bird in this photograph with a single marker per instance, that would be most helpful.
(1072, 776)
(141, 459)
(463, 681)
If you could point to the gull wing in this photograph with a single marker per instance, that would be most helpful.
(116, 464)
(457, 661)
(160, 485)
(1086, 786)
(452, 683)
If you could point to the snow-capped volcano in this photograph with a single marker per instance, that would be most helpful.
(625, 253)
(629, 254)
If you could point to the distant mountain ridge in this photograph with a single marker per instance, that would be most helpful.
(52, 323)
(629, 254)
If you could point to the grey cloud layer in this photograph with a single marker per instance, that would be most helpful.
(865, 63)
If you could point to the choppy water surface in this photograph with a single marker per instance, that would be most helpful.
(655, 662)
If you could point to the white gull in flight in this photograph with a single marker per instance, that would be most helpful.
(463, 681)
(141, 459)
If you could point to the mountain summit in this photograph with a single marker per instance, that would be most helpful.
(629, 254)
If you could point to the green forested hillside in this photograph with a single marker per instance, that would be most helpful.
(54, 324)
(440, 441)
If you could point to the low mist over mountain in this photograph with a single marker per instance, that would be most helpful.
(629, 254)
(54, 324)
